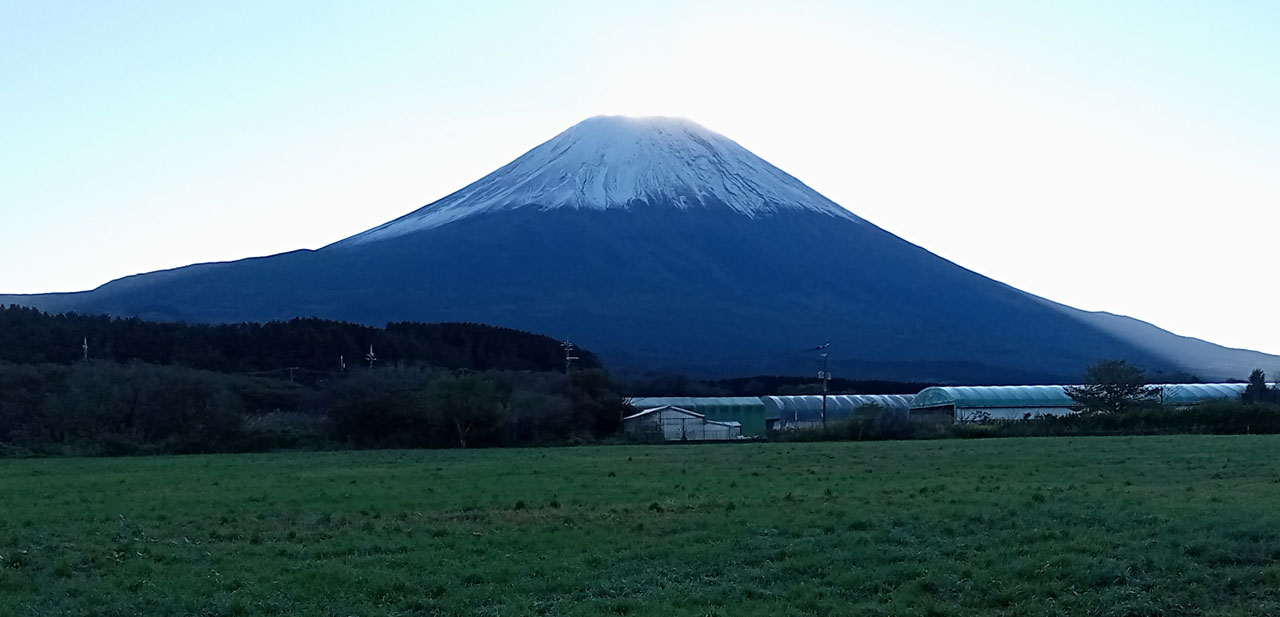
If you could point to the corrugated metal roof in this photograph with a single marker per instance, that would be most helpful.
(662, 408)
(695, 402)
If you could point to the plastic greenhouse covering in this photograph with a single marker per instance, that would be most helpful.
(993, 396)
(1191, 393)
(796, 411)
(1012, 402)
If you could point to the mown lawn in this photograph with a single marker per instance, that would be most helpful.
(1080, 526)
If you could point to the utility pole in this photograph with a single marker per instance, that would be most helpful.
(825, 375)
(370, 358)
(342, 363)
(568, 356)
(291, 370)
(85, 347)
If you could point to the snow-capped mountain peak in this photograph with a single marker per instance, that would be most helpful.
(621, 162)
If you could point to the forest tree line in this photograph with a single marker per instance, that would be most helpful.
(30, 336)
(150, 387)
(127, 408)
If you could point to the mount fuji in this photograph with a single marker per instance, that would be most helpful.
(662, 245)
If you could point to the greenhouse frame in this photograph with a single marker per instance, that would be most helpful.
(977, 403)
(806, 411)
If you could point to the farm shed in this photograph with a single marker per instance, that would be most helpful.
(676, 424)
(806, 411)
(970, 403)
(745, 410)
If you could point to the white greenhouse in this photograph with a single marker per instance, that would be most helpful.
(980, 403)
(785, 412)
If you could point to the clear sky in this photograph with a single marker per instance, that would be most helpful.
(1118, 156)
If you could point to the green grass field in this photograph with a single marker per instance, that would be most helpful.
(1082, 526)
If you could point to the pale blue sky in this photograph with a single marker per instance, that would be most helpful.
(1115, 156)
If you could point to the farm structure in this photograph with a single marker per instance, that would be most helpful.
(784, 412)
(676, 424)
(946, 404)
(749, 411)
(980, 403)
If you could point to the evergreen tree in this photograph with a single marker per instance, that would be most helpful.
(1112, 386)
(1257, 390)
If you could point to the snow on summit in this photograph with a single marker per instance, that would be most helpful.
(622, 162)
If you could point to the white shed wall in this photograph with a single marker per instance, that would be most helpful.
(675, 425)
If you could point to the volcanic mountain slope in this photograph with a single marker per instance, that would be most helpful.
(662, 245)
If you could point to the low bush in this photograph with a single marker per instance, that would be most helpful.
(285, 430)
(1212, 418)
(866, 423)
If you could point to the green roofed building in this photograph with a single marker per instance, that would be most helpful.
(746, 410)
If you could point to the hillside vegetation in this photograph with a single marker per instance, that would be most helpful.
(310, 345)
(175, 388)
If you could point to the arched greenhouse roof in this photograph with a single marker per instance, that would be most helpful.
(808, 408)
(838, 401)
(1188, 393)
(993, 396)
(997, 397)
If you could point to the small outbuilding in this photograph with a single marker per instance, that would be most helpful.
(748, 411)
(676, 424)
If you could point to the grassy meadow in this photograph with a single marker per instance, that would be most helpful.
(1180, 525)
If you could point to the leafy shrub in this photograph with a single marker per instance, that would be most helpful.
(869, 422)
(284, 430)
(465, 408)
(378, 408)
(1214, 417)
(112, 408)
